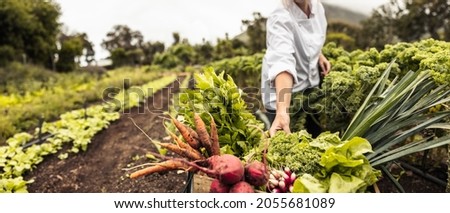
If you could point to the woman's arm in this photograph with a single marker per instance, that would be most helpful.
(283, 86)
(324, 64)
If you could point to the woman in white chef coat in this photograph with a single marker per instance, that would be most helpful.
(295, 36)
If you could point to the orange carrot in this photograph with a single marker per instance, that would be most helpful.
(215, 146)
(194, 136)
(182, 152)
(190, 152)
(172, 147)
(186, 134)
(165, 166)
(203, 133)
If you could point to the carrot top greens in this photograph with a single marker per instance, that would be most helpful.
(217, 95)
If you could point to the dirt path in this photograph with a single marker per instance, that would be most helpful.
(100, 168)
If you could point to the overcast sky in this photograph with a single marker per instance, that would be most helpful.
(158, 19)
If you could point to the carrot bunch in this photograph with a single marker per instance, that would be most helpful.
(200, 151)
(190, 149)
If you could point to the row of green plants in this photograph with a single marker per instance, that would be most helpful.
(355, 73)
(76, 127)
(19, 78)
(352, 76)
(54, 96)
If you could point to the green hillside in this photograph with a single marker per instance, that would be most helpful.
(336, 13)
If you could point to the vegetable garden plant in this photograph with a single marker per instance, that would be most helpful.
(388, 97)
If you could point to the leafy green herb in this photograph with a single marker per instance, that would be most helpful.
(239, 130)
(294, 151)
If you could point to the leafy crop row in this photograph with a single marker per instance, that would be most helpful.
(21, 112)
(355, 73)
(77, 127)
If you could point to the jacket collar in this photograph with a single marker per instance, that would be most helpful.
(299, 15)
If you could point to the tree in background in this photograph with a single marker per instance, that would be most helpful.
(343, 34)
(88, 48)
(72, 49)
(127, 47)
(228, 48)
(29, 31)
(166, 60)
(176, 38)
(224, 48)
(119, 57)
(150, 49)
(205, 52)
(406, 20)
(447, 31)
(377, 30)
(419, 18)
(123, 44)
(256, 32)
(181, 53)
(7, 54)
(122, 37)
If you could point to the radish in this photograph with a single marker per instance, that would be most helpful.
(218, 187)
(273, 182)
(256, 173)
(276, 190)
(281, 181)
(287, 171)
(291, 189)
(242, 187)
(282, 186)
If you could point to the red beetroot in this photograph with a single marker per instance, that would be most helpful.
(242, 187)
(227, 168)
(256, 173)
(218, 187)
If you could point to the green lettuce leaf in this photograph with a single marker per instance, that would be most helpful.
(326, 140)
(309, 184)
(349, 154)
(344, 184)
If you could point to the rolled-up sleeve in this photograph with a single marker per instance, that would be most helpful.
(280, 48)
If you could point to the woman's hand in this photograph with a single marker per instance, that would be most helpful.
(283, 86)
(324, 64)
(281, 122)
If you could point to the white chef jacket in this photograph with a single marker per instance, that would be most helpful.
(294, 44)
